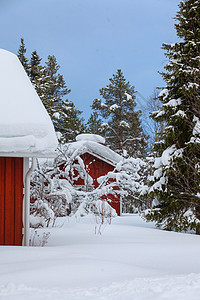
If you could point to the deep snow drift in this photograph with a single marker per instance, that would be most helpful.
(130, 260)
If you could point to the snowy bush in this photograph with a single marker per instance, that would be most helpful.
(128, 179)
(50, 195)
(53, 193)
(38, 239)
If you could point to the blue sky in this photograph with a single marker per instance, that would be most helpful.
(91, 39)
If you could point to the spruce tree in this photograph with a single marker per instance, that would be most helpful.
(122, 124)
(36, 74)
(21, 55)
(52, 90)
(55, 88)
(62, 112)
(69, 123)
(35, 66)
(94, 124)
(176, 178)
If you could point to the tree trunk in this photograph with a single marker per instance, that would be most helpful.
(198, 229)
(198, 216)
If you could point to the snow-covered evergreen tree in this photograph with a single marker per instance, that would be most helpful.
(55, 89)
(70, 124)
(36, 74)
(176, 179)
(21, 55)
(52, 90)
(94, 124)
(35, 66)
(122, 123)
(154, 128)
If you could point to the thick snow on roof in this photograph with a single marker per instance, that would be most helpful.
(25, 126)
(95, 149)
(90, 137)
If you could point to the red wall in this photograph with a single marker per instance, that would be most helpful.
(97, 168)
(11, 200)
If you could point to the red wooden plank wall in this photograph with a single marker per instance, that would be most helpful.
(11, 200)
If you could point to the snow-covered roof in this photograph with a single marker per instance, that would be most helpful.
(90, 137)
(25, 126)
(98, 150)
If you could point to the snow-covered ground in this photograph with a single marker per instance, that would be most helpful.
(130, 260)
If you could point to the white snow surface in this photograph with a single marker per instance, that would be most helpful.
(180, 113)
(196, 129)
(164, 93)
(167, 156)
(130, 260)
(90, 137)
(114, 107)
(124, 124)
(25, 126)
(128, 97)
(173, 103)
(96, 149)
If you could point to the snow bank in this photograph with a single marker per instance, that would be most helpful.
(130, 260)
(176, 287)
(25, 126)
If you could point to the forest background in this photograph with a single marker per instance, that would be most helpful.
(166, 182)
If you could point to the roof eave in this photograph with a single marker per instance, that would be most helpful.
(102, 158)
(29, 154)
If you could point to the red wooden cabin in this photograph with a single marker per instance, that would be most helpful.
(26, 132)
(11, 200)
(99, 160)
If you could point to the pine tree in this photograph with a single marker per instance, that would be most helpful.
(36, 74)
(70, 124)
(52, 90)
(55, 88)
(63, 112)
(176, 179)
(94, 124)
(35, 66)
(123, 125)
(154, 128)
(21, 55)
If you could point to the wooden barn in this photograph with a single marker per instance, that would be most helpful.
(98, 160)
(26, 132)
